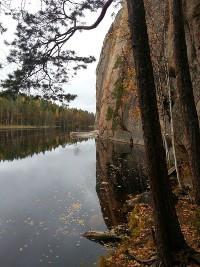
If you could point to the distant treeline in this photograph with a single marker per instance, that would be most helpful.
(34, 111)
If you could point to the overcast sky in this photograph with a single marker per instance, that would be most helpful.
(85, 43)
(84, 84)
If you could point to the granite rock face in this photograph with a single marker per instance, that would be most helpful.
(118, 114)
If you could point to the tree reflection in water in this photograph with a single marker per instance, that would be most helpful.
(21, 143)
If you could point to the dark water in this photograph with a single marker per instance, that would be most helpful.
(52, 189)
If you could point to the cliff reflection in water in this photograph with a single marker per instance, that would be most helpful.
(18, 144)
(120, 172)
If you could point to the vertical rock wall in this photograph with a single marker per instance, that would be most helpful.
(118, 114)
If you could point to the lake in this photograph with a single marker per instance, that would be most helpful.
(53, 189)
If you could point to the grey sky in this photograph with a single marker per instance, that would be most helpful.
(85, 43)
(88, 43)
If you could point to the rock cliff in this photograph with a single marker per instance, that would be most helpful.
(118, 114)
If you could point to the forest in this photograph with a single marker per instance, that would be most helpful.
(21, 110)
(152, 101)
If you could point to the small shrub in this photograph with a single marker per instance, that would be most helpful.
(109, 114)
(134, 223)
(118, 62)
(115, 122)
(118, 90)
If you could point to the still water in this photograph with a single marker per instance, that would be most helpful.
(52, 189)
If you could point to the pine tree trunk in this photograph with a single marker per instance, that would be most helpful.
(185, 91)
(168, 233)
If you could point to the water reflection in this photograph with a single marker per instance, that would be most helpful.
(18, 144)
(52, 189)
(120, 172)
(47, 201)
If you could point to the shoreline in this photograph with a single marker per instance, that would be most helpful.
(24, 127)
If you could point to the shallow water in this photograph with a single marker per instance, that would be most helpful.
(52, 190)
